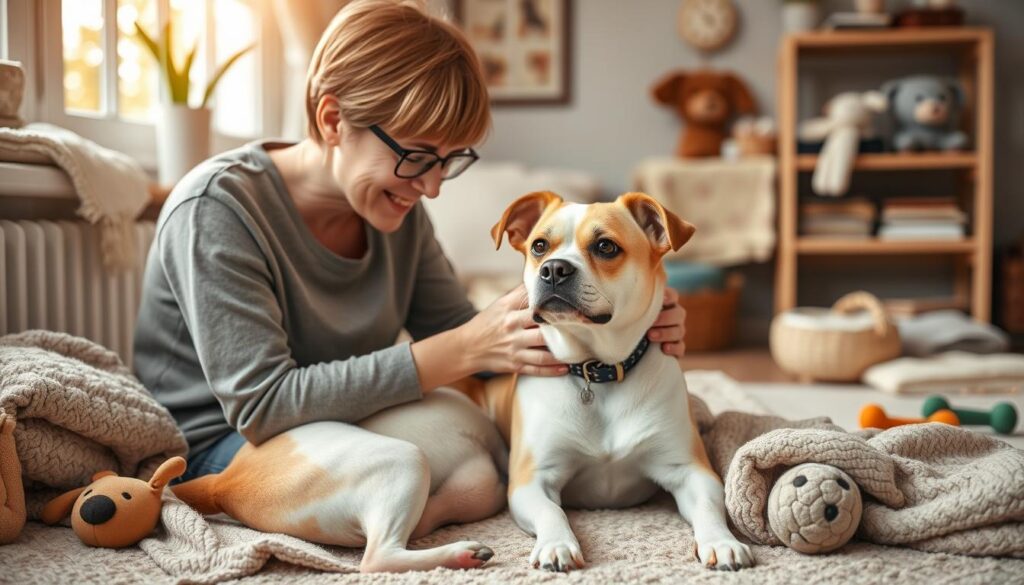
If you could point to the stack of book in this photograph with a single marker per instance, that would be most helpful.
(841, 219)
(922, 218)
(857, 20)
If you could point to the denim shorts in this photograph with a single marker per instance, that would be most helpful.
(213, 459)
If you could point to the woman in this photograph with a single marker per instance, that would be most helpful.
(281, 274)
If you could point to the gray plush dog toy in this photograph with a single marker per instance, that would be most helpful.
(925, 109)
(814, 508)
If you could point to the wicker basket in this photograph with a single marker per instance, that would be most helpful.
(711, 316)
(834, 345)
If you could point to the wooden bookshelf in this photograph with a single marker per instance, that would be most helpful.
(837, 246)
(899, 162)
(973, 49)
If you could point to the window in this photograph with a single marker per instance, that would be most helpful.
(102, 82)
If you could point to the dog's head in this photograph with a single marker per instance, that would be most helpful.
(593, 273)
(114, 511)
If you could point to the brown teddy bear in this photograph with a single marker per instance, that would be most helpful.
(112, 511)
(706, 100)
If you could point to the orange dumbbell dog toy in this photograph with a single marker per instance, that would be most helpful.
(872, 416)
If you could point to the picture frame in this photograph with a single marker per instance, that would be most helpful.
(524, 48)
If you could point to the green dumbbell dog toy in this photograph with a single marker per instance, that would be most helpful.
(1002, 418)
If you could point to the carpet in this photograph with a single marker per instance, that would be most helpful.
(646, 544)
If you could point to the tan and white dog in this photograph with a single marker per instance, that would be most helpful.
(620, 428)
(595, 282)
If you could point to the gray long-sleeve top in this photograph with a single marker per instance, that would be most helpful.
(248, 323)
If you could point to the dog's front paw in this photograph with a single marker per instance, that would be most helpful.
(557, 556)
(724, 554)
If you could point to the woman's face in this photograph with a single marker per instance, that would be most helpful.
(365, 171)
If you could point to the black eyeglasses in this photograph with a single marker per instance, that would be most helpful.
(413, 163)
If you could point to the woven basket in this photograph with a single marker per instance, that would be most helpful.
(834, 345)
(711, 316)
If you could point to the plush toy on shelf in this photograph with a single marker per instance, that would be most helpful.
(113, 511)
(814, 508)
(847, 118)
(706, 100)
(925, 111)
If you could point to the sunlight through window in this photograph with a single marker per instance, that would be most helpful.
(83, 55)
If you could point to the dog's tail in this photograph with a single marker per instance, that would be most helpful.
(200, 494)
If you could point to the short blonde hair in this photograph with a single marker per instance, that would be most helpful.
(390, 63)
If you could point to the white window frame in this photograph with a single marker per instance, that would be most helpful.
(44, 64)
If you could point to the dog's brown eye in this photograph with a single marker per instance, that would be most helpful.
(126, 495)
(606, 248)
(539, 247)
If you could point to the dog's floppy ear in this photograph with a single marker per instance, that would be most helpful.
(664, 228)
(669, 89)
(739, 95)
(168, 470)
(520, 217)
(60, 507)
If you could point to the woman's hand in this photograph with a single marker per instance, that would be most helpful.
(504, 338)
(670, 325)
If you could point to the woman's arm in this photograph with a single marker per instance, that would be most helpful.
(221, 282)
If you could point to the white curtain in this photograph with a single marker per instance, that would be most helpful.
(301, 23)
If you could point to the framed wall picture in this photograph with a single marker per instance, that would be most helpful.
(523, 47)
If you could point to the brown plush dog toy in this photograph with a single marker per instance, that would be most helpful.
(12, 494)
(113, 511)
(706, 100)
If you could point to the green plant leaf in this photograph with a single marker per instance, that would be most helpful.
(187, 68)
(220, 73)
(148, 41)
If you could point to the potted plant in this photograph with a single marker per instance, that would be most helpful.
(799, 15)
(182, 132)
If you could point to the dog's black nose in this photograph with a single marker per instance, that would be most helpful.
(97, 510)
(555, 272)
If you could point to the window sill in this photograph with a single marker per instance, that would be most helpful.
(22, 183)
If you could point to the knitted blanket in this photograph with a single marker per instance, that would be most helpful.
(79, 410)
(932, 487)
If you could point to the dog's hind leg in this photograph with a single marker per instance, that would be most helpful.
(389, 519)
(472, 492)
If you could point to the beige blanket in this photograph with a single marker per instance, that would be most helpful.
(112, 186)
(76, 400)
(79, 410)
(932, 487)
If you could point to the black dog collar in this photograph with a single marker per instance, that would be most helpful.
(597, 372)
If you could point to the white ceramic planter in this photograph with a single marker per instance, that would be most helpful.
(182, 140)
(799, 16)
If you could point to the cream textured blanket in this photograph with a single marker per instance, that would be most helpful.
(932, 487)
(79, 410)
(112, 186)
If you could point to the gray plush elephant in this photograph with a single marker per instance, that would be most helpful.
(925, 109)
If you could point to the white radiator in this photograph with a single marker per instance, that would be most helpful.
(53, 278)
